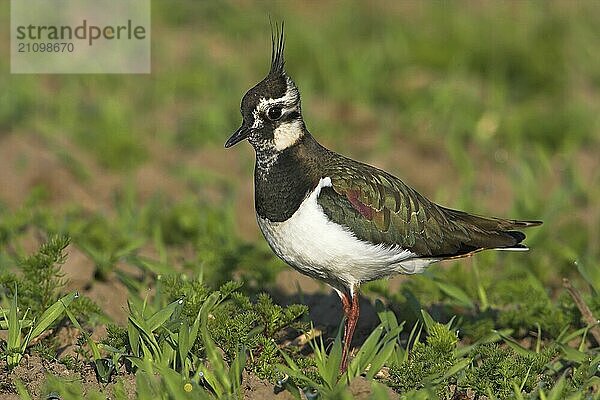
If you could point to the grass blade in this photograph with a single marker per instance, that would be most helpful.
(428, 320)
(52, 314)
(21, 390)
(161, 316)
(455, 293)
(14, 334)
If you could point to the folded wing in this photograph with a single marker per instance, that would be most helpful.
(381, 209)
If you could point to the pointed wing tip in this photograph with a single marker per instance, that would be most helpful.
(527, 224)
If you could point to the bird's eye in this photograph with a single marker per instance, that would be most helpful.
(274, 113)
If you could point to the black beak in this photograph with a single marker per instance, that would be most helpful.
(239, 135)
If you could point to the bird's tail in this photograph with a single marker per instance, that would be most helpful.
(491, 232)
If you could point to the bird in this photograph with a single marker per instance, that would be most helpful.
(342, 221)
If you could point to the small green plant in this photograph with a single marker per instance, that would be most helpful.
(17, 343)
(429, 364)
(106, 244)
(224, 380)
(145, 331)
(499, 370)
(523, 304)
(325, 380)
(41, 279)
(256, 326)
(322, 376)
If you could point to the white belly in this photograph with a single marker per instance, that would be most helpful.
(320, 248)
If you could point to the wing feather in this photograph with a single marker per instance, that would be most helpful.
(381, 209)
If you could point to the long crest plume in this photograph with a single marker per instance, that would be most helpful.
(278, 42)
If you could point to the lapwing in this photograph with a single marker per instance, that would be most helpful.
(339, 220)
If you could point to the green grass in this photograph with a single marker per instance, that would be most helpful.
(503, 97)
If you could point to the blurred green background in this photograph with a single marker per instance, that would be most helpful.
(488, 106)
(493, 107)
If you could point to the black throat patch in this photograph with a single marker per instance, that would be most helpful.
(284, 181)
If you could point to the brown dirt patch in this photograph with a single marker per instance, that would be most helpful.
(33, 370)
(255, 388)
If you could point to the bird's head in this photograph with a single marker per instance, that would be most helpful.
(272, 119)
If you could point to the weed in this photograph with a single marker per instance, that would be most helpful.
(500, 370)
(16, 322)
(256, 326)
(41, 281)
(427, 363)
(524, 304)
(116, 337)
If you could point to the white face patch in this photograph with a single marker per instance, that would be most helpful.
(287, 134)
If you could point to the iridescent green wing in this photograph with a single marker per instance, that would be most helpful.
(381, 209)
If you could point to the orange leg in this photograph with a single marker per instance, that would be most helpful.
(351, 312)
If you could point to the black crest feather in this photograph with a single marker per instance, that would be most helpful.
(278, 42)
